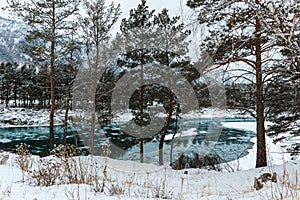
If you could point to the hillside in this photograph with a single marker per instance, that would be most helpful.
(11, 35)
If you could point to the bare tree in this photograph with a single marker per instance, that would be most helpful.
(96, 27)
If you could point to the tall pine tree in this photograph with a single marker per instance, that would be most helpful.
(151, 38)
(50, 22)
(244, 32)
(138, 30)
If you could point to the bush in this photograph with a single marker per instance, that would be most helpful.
(64, 167)
(47, 173)
(24, 160)
(210, 162)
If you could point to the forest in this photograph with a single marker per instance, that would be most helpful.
(237, 60)
(255, 45)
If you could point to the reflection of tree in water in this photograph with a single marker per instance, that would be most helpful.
(232, 144)
(37, 138)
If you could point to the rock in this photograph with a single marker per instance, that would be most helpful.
(274, 177)
(265, 177)
(258, 182)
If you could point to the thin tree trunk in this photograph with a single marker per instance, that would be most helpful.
(52, 58)
(142, 113)
(162, 138)
(261, 155)
(95, 80)
(92, 136)
(66, 120)
(15, 97)
(6, 102)
(141, 146)
(173, 137)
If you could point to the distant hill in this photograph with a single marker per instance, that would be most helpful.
(11, 35)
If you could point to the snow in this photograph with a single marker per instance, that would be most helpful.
(20, 117)
(274, 152)
(141, 181)
(145, 180)
(203, 113)
(187, 133)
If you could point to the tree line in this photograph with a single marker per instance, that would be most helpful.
(28, 85)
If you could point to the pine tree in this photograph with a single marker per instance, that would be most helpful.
(45, 42)
(43, 87)
(283, 99)
(137, 34)
(245, 32)
(173, 44)
(151, 38)
(27, 89)
(9, 83)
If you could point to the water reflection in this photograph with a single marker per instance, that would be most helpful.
(232, 143)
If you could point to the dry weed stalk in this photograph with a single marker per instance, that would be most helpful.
(106, 153)
(3, 158)
(65, 167)
(24, 160)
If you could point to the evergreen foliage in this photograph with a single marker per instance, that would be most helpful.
(248, 33)
(46, 41)
(256, 43)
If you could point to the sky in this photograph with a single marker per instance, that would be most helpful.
(175, 7)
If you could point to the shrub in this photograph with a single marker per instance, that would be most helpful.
(210, 162)
(64, 168)
(23, 160)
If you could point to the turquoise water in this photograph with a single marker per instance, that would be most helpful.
(232, 143)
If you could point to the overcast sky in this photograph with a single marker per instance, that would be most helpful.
(174, 7)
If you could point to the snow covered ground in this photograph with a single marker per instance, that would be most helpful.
(132, 180)
(145, 181)
(18, 117)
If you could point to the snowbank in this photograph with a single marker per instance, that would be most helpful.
(146, 181)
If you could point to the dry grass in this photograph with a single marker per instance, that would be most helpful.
(63, 167)
(3, 158)
(24, 160)
(66, 167)
(287, 187)
(5, 193)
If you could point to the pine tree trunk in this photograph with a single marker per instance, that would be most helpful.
(93, 116)
(162, 138)
(52, 58)
(141, 146)
(261, 155)
(169, 119)
(173, 137)
(92, 136)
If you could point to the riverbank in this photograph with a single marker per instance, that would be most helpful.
(276, 154)
(133, 180)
